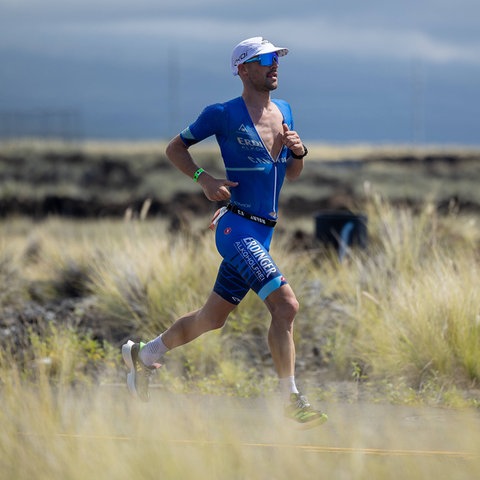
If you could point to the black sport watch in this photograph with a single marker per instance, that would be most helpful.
(299, 157)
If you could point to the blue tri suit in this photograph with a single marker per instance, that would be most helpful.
(244, 244)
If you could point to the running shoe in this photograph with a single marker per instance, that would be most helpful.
(302, 412)
(138, 378)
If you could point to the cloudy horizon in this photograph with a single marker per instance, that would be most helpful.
(375, 72)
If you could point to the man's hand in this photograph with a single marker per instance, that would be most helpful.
(291, 140)
(215, 189)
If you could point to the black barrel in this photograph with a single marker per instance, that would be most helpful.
(341, 229)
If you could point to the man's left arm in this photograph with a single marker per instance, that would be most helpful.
(292, 141)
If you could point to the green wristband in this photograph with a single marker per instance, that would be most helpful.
(197, 174)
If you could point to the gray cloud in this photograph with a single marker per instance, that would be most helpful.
(433, 30)
(356, 59)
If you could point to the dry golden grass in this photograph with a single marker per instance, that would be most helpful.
(399, 321)
(406, 309)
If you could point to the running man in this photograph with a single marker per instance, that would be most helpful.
(259, 148)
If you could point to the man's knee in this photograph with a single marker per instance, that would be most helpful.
(212, 321)
(284, 307)
(290, 307)
(215, 312)
(217, 322)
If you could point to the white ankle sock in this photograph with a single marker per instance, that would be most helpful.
(153, 351)
(288, 386)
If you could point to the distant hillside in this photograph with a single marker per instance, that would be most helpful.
(107, 180)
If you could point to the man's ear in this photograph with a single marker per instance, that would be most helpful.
(242, 69)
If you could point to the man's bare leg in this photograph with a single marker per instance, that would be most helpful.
(188, 327)
(283, 307)
(211, 316)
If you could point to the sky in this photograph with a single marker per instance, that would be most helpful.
(357, 71)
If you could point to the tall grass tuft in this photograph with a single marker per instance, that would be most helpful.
(404, 311)
(427, 325)
(149, 277)
(413, 301)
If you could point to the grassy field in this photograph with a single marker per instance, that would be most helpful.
(397, 323)
(403, 314)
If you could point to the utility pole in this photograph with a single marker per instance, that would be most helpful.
(173, 91)
(418, 102)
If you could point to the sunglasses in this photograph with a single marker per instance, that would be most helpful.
(265, 59)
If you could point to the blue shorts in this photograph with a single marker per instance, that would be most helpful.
(247, 264)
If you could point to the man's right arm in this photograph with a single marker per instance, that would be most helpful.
(177, 152)
(215, 189)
